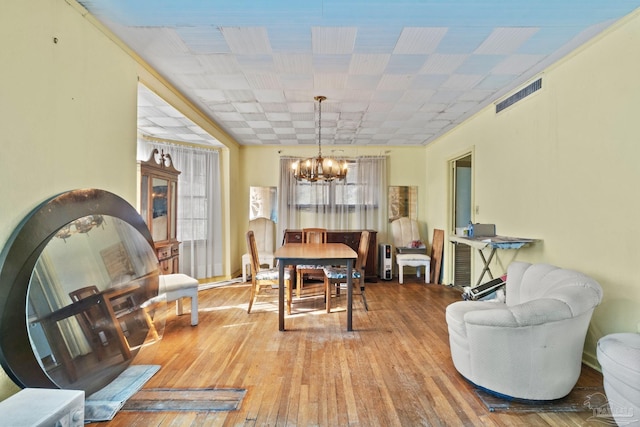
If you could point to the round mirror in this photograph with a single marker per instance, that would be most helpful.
(79, 292)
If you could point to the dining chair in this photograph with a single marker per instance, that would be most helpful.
(98, 328)
(338, 275)
(264, 277)
(264, 231)
(310, 235)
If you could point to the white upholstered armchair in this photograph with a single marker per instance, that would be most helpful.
(264, 231)
(530, 347)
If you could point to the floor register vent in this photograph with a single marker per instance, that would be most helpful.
(519, 95)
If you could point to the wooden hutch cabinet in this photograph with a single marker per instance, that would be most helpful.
(350, 238)
(158, 207)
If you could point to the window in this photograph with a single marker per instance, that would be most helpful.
(359, 202)
(349, 193)
(192, 209)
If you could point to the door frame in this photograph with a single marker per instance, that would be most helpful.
(451, 206)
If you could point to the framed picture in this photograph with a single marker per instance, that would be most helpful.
(403, 201)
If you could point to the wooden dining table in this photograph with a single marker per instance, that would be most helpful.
(316, 254)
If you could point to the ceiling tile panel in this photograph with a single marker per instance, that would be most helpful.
(405, 64)
(395, 82)
(504, 41)
(210, 95)
(222, 63)
(263, 81)
(234, 96)
(216, 107)
(364, 82)
(479, 64)
(377, 39)
(420, 95)
(247, 40)
(296, 81)
(293, 63)
(231, 117)
(252, 64)
(278, 118)
(275, 107)
(462, 82)
(333, 40)
(370, 64)
(496, 82)
(516, 64)
(428, 81)
(260, 124)
(247, 107)
(330, 81)
(463, 40)
(269, 95)
(442, 64)
(419, 40)
(331, 63)
(203, 39)
(230, 83)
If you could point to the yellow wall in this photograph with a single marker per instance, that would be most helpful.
(561, 166)
(67, 112)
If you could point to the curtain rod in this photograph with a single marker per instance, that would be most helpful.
(178, 143)
(342, 157)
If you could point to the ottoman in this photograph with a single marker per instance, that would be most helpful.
(619, 357)
(177, 286)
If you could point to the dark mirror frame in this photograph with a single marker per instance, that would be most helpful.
(18, 259)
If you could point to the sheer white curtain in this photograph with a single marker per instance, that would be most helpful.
(199, 215)
(359, 202)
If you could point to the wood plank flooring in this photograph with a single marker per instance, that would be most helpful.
(394, 369)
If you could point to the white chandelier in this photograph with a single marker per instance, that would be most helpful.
(319, 168)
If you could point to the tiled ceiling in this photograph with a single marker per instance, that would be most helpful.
(394, 72)
(158, 119)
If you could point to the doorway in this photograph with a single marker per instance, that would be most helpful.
(461, 175)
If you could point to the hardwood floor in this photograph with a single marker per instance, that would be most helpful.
(395, 369)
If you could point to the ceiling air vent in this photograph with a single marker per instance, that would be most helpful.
(521, 94)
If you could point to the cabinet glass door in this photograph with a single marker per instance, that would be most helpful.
(144, 198)
(160, 225)
(172, 215)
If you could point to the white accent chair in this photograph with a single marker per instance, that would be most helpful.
(530, 347)
(264, 231)
(406, 232)
(619, 357)
(174, 287)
